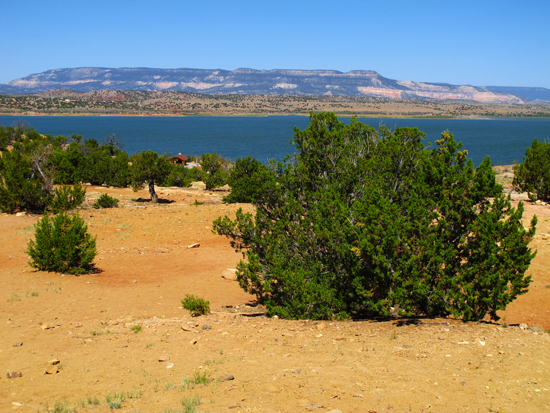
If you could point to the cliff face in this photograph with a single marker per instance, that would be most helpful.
(249, 81)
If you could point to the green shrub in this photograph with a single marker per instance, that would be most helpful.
(249, 181)
(196, 306)
(362, 220)
(105, 201)
(67, 198)
(62, 244)
(533, 175)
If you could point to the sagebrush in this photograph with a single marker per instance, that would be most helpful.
(196, 306)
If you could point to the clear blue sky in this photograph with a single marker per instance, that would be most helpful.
(481, 43)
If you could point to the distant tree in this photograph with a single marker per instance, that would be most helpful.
(533, 174)
(146, 169)
(249, 180)
(215, 172)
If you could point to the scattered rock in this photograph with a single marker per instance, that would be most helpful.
(227, 377)
(14, 374)
(229, 274)
(54, 362)
(51, 370)
(18, 344)
(163, 359)
(195, 245)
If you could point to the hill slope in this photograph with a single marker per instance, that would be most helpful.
(250, 81)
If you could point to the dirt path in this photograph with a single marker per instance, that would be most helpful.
(109, 330)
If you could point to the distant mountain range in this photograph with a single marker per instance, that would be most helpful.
(264, 82)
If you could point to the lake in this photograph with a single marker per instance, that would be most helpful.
(264, 138)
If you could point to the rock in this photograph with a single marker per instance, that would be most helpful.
(314, 406)
(359, 395)
(227, 377)
(18, 344)
(482, 343)
(339, 338)
(21, 214)
(538, 202)
(195, 245)
(47, 326)
(230, 274)
(193, 342)
(335, 411)
(16, 404)
(54, 362)
(170, 365)
(321, 326)
(51, 370)
(163, 359)
(523, 326)
(14, 374)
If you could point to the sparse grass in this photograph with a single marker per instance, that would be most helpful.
(60, 407)
(206, 327)
(190, 404)
(14, 297)
(149, 345)
(31, 294)
(169, 386)
(136, 329)
(197, 203)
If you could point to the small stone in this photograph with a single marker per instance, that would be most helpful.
(195, 245)
(462, 342)
(335, 411)
(315, 406)
(227, 377)
(170, 365)
(482, 343)
(14, 374)
(54, 362)
(163, 359)
(523, 326)
(18, 344)
(359, 395)
(193, 342)
(16, 404)
(51, 370)
(21, 214)
(339, 338)
(47, 326)
(321, 326)
(230, 274)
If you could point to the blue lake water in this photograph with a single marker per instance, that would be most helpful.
(264, 138)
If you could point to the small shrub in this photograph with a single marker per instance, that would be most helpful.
(105, 201)
(136, 329)
(196, 306)
(62, 244)
(67, 197)
(197, 203)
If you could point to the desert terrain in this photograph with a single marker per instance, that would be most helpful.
(119, 339)
(167, 103)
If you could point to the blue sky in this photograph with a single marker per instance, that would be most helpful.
(481, 43)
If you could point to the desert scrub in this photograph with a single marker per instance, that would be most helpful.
(105, 201)
(62, 244)
(196, 306)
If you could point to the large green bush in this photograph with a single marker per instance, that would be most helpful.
(533, 174)
(363, 220)
(62, 244)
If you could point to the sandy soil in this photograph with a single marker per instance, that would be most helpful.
(122, 331)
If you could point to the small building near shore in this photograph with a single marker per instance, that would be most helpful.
(179, 159)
